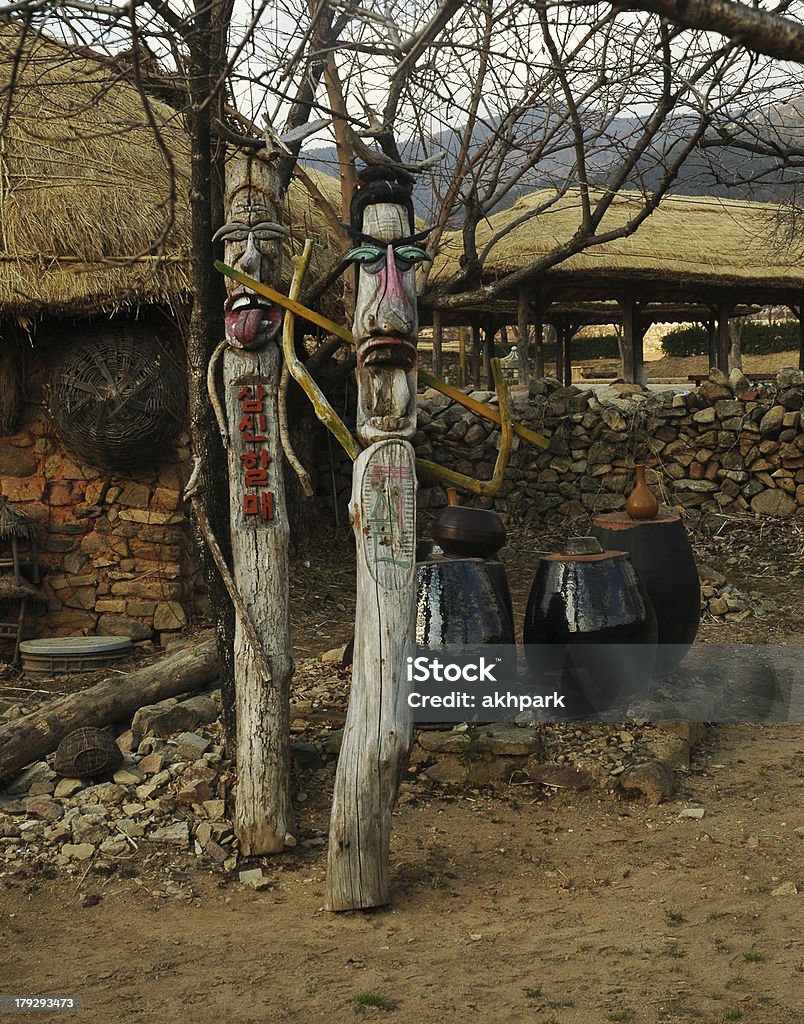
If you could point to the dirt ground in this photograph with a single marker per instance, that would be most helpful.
(525, 907)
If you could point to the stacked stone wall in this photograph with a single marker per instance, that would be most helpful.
(727, 446)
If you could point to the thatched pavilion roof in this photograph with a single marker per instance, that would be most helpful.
(688, 242)
(84, 190)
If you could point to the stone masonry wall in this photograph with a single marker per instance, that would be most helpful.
(116, 552)
(728, 445)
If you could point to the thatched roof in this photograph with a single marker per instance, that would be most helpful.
(84, 191)
(687, 240)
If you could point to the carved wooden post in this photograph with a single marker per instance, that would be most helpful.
(378, 730)
(383, 510)
(259, 524)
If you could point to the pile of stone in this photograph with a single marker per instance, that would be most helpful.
(170, 792)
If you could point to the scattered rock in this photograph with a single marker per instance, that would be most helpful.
(177, 834)
(692, 813)
(162, 720)
(39, 772)
(204, 708)
(334, 656)
(785, 889)
(191, 746)
(68, 787)
(78, 851)
(44, 807)
(653, 778)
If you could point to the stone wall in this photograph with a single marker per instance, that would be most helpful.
(116, 552)
(728, 445)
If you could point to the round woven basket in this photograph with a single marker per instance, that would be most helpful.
(117, 397)
(86, 753)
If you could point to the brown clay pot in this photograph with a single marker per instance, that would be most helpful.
(641, 503)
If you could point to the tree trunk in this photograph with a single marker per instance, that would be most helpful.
(378, 728)
(260, 534)
(112, 700)
(207, 50)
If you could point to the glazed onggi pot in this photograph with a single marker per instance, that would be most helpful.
(661, 553)
(458, 602)
(590, 623)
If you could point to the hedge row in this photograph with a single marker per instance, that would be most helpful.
(757, 339)
(600, 347)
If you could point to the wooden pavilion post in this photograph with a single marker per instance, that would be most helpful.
(462, 374)
(711, 337)
(488, 350)
(723, 338)
(523, 332)
(633, 364)
(569, 333)
(476, 355)
(538, 360)
(438, 351)
(559, 351)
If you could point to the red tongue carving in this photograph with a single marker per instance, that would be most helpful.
(247, 325)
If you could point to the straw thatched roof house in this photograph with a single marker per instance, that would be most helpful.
(85, 200)
(94, 270)
(693, 258)
(690, 242)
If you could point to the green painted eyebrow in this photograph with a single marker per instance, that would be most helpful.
(411, 253)
(363, 254)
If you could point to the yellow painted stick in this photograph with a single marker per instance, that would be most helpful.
(486, 411)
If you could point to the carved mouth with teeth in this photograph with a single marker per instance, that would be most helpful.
(386, 373)
(251, 320)
(385, 353)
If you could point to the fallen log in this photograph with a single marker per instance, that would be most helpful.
(114, 699)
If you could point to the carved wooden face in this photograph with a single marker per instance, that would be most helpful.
(252, 238)
(386, 324)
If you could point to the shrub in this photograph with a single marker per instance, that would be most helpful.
(757, 339)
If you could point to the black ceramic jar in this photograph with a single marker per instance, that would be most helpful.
(589, 621)
(662, 556)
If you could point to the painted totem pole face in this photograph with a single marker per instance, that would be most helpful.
(386, 324)
(252, 238)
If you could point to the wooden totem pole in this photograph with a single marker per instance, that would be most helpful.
(378, 728)
(252, 364)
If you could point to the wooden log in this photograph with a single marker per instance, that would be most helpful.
(378, 730)
(114, 699)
